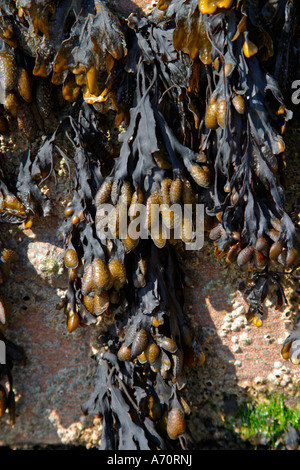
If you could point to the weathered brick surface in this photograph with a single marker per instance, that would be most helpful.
(58, 377)
(58, 371)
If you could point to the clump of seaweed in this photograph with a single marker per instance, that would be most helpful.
(200, 90)
(134, 289)
(241, 129)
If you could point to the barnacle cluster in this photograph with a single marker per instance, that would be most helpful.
(199, 89)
